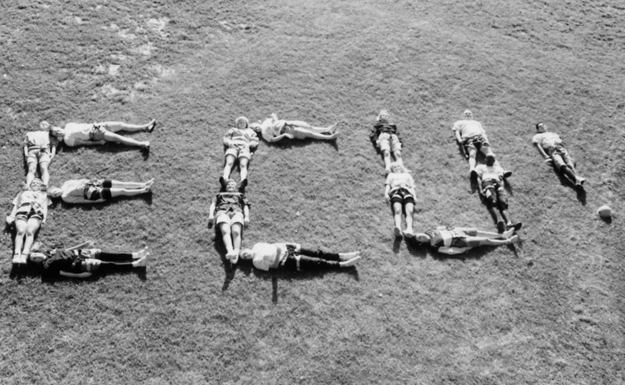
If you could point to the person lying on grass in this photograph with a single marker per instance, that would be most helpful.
(491, 187)
(30, 211)
(83, 260)
(472, 138)
(239, 141)
(94, 134)
(457, 240)
(98, 190)
(274, 129)
(552, 149)
(230, 209)
(385, 136)
(39, 149)
(267, 256)
(400, 192)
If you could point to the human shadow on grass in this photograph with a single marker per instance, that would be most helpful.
(580, 191)
(147, 198)
(17, 270)
(110, 148)
(422, 250)
(297, 143)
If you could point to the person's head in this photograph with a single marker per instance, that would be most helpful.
(256, 127)
(38, 257)
(55, 192)
(467, 114)
(55, 131)
(383, 116)
(44, 125)
(397, 167)
(541, 127)
(231, 185)
(36, 184)
(422, 238)
(246, 254)
(241, 122)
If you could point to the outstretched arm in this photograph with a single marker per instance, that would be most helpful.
(82, 245)
(542, 152)
(246, 215)
(211, 214)
(11, 218)
(279, 137)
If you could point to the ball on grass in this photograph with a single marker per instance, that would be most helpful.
(604, 211)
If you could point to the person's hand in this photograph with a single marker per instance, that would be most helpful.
(90, 243)
(211, 222)
(246, 222)
(10, 220)
(387, 198)
(548, 161)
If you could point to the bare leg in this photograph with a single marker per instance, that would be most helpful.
(491, 235)
(243, 162)
(32, 169)
(397, 211)
(387, 160)
(130, 185)
(118, 192)
(20, 233)
(236, 237)
(301, 133)
(472, 161)
(409, 214)
(304, 125)
(227, 238)
(31, 229)
(112, 137)
(121, 126)
(228, 166)
(397, 155)
(499, 242)
(45, 174)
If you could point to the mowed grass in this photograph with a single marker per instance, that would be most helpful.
(549, 311)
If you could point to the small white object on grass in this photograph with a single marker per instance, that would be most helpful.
(604, 211)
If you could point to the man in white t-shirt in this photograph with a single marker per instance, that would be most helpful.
(552, 149)
(94, 134)
(267, 256)
(472, 138)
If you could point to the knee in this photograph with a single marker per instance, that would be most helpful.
(397, 210)
(20, 232)
(30, 232)
(503, 204)
(236, 231)
(32, 167)
(243, 165)
(397, 154)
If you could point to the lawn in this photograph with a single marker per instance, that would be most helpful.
(547, 311)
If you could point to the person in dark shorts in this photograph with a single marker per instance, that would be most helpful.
(491, 186)
(230, 209)
(385, 136)
(83, 260)
(400, 192)
(267, 256)
(30, 211)
(87, 191)
(457, 240)
(552, 149)
(93, 134)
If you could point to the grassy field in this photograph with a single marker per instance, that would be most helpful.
(548, 311)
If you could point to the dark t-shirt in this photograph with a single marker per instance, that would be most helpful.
(231, 201)
(62, 260)
(387, 127)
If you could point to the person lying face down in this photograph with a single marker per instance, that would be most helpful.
(266, 256)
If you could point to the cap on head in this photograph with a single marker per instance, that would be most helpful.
(242, 119)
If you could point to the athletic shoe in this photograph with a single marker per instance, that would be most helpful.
(515, 239)
(17, 259)
(151, 126)
(397, 232)
(579, 181)
(143, 262)
(516, 226)
(409, 234)
(501, 227)
(349, 263)
(507, 174)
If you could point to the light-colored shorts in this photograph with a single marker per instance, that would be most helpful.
(96, 133)
(229, 217)
(560, 157)
(38, 155)
(239, 152)
(388, 142)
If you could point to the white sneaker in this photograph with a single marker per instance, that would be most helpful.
(397, 232)
(351, 262)
(17, 259)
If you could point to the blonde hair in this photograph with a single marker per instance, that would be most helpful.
(382, 112)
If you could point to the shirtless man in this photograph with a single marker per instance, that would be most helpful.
(95, 134)
(552, 149)
(457, 240)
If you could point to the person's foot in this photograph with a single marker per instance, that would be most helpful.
(515, 239)
(501, 227)
(408, 233)
(149, 183)
(397, 232)
(151, 126)
(350, 262)
(141, 253)
(348, 256)
(235, 258)
(143, 262)
(332, 129)
(145, 146)
(579, 181)
(17, 259)
(507, 174)
(387, 170)
(516, 226)
(232, 256)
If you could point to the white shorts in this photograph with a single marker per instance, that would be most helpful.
(239, 152)
(229, 217)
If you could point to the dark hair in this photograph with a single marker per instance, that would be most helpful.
(538, 124)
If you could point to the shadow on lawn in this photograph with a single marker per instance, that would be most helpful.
(297, 143)
(110, 148)
(564, 181)
(422, 251)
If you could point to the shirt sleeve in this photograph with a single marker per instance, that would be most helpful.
(228, 135)
(456, 126)
(536, 139)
